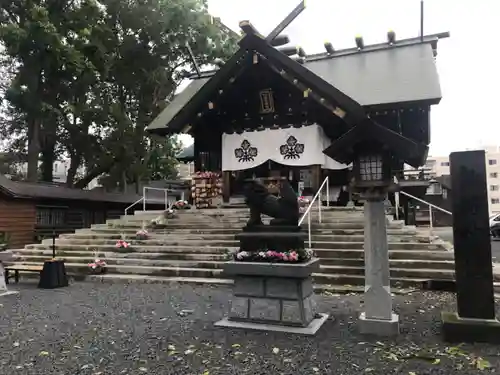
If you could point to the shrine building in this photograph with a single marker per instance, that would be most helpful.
(270, 111)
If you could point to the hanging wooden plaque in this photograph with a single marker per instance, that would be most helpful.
(266, 101)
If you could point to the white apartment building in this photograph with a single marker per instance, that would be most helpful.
(59, 172)
(440, 165)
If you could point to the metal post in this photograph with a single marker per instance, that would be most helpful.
(309, 228)
(327, 192)
(396, 201)
(430, 221)
(319, 206)
(144, 198)
(166, 199)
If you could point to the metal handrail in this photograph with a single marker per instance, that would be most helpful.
(133, 204)
(146, 188)
(308, 210)
(431, 206)
(144, 198)
(427, 203)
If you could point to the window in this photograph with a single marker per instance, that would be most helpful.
(50, 217)
(494, 175)
(495, 201)
(492, 162)
(493, 187)
(445, 164)
(434, 189)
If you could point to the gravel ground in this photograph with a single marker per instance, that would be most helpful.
(94, 328)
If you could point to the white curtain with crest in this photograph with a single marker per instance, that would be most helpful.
(291, 146)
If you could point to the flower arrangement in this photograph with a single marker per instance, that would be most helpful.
(122, 244)
(98, 266)
(271, 256)
(303, 204)
(142, 235)
(181, 205)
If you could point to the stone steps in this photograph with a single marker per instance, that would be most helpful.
(327, 255)
(100, 239)
(216, 261)
(131, 231)
(348, 276)
(140, 246)
(194, 246)
(232, 225)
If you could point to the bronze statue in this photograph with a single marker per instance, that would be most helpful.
(284, 208)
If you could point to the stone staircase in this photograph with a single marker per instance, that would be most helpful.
(193, 247)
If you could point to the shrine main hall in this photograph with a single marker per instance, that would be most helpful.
(270, 111)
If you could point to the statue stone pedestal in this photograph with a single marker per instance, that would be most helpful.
(273, 296)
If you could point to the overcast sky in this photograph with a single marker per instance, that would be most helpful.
(468, 62)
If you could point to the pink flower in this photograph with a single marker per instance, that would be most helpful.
(293, 256)
(269, 253)
(284, 257)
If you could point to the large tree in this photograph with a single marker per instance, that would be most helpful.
(91, 76)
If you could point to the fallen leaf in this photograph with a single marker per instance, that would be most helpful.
(189, 351)
(235, 346)
(43, 353)
(436, 361)
(143, 369)
(482, 364)
(171, 347)
(276, 350)
(315, 369)
(16, 344)
(369, 369)
(392, 357)
(206, 372)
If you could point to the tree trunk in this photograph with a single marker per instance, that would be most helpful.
(94, 173)
(48, 159)
(73, 168)
(33, 149)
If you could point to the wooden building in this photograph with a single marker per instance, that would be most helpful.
(31, 211)
(270, 111)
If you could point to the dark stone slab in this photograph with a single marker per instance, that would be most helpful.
(253, 241)
(456, 329)
(471, 233)
(272, 229)
(290, 270)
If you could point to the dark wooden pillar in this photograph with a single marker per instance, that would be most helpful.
(316, 177)
(475, 320)
(226, 186)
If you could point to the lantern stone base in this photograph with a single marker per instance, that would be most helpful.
(273, 297)
(379, 327)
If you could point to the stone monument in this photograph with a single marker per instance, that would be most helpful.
(272, 271)
(476, 318)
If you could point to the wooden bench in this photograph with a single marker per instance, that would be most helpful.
(16, 268)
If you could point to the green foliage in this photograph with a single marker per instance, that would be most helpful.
(86, 78)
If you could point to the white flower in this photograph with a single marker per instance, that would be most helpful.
(262, 254)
